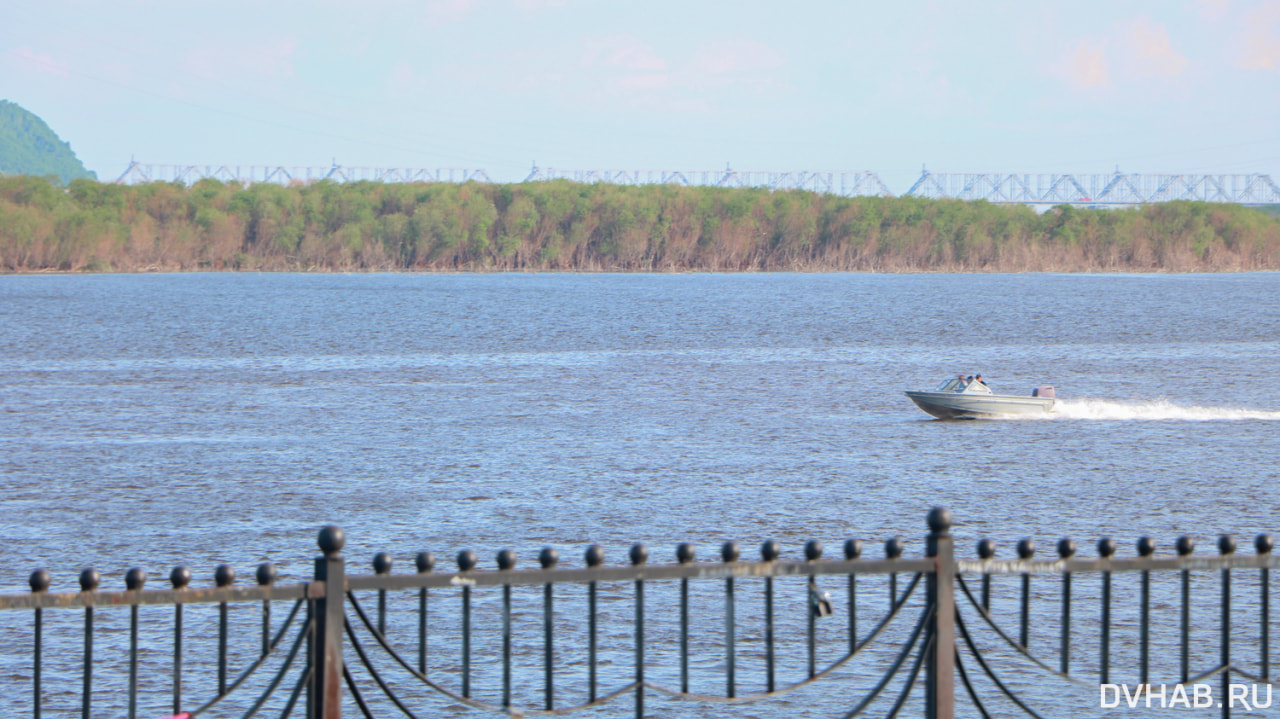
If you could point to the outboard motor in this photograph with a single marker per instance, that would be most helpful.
(1044, 390)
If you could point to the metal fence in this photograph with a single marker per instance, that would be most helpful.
(944, 619)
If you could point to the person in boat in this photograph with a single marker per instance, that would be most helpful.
(979, 379)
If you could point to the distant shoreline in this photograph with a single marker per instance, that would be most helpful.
(561, 226)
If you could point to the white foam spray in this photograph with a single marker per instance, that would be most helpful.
(1155, 410)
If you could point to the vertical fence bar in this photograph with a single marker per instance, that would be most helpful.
(892, 550)
(1226, 547)
(1026, 550)
(684, 555)
(326, 657)
(852, 550)
(266, 576)
(1066, 548)
(223, 576)
(986, 551)
(1106, 548)
(382, 565)
(506, 562)
(1185, 547)
(594, 557)
(940, 584)
(466, 562)
(639, 555)
(1264, 544)
(769, 551)
(729, 553)
(180, 577)
(134, 580)
(424, 563)
(1146, 547)
(548, 559)
(89, 580)
(812, 553)
(39, 581)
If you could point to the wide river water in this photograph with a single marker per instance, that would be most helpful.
(155, 420)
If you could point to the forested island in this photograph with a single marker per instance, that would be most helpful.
(91, 226)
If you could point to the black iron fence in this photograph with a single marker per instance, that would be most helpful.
(1093, 622)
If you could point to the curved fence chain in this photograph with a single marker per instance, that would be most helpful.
(867, 640)
(871, 637)
(297, 692)
(355, 692)
(271, 648)
(911, 680)
(986, 669)
(364, 659)
(986, 616)
(925, 616)
(964, 677)
(307, 630)
(474, 703)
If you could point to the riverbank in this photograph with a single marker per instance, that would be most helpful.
(562, 226)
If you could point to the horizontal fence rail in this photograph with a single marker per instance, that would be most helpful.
(878, 636)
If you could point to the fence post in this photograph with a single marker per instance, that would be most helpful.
(326, 660)
(940, 696)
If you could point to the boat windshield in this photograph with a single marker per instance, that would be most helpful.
(952, 385)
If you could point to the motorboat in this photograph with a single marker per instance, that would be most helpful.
(971, 398)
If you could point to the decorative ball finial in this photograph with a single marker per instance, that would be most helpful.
(1146, 546)
(639, 553)
(134, 579)
(594, 555)
(331, 540)
(89, 580)
(1066, 548)
(1263, 543)
(812, 550)
(224, 575)
(852, 549)
(729, 551)
(549, 557)
(770, 550)
(506, 560)
(467, 560)
(265, 574)
(180, 577)
(893, 548)
(1226, 544)
(382, 563)
(684, 553)
(1185, 545)
(424, 562)
(986, 548)
(39, 580)
(1106, 547)
(939, 520)
(1026, 548)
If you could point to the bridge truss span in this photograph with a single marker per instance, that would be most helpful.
(1116, 189)
(139, 172)
(833, 182)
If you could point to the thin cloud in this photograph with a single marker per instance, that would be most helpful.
(269, 59)
(1085, 66)
(1153, 53)
(1259, 41)
(42, 61)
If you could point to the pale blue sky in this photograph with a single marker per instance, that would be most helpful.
(498, 84)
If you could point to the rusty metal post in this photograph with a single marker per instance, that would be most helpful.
(326, 660)
(940, 694)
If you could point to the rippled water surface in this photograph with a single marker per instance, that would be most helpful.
(197, 419)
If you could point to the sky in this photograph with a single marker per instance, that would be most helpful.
(892, 87)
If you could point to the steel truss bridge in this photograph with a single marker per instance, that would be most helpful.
(1038, 189)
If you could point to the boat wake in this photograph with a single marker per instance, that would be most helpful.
(1155, 410)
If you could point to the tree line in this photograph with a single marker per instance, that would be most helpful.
(561, 225)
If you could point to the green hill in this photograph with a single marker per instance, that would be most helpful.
(29, 147)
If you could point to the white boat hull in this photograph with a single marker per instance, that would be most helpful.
(953, 405)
